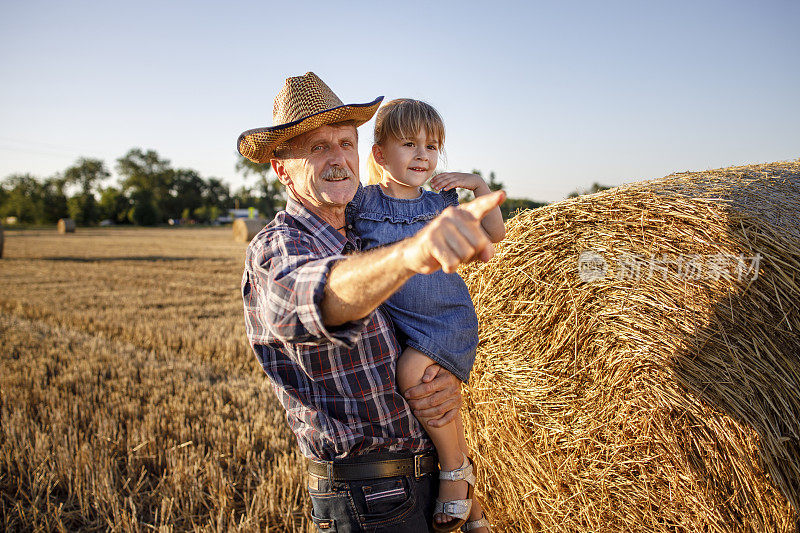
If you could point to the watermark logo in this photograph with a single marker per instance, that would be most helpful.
(591, 266)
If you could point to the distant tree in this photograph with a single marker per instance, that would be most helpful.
(54, 200)
(207, 213)
(246, 168)
(245, 197)
(186, 191)
(217, 193)
(596, 187)
(114, 205)
(83, 209)
(269, 195)
(146, 176)
(23, 199)
(493, 184)
(512, 206)
(3, 195)
(86, 173)
(144, 210)
(273, 197)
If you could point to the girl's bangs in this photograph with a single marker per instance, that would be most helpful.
(408, 118)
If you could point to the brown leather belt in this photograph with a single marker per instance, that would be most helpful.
(416, 466)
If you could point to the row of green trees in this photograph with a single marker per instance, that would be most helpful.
(150, 191)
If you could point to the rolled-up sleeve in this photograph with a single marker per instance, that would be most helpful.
(283, 287)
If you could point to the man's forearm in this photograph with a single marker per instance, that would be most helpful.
(359, 284)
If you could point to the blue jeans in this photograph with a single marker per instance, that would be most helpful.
(384, 505)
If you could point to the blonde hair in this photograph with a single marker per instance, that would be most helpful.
(400, 119)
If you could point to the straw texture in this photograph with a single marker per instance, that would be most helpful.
(66, 225)
(244, 229)
(656, 387)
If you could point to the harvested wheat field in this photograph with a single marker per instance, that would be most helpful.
(639, 364)
(130, 399)
(634, 394)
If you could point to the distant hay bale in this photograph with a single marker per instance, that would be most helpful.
(66, 225)
(639, 363)
(244, 229)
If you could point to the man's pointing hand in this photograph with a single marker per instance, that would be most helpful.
(452, 238)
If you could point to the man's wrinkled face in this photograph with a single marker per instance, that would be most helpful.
(321, 169)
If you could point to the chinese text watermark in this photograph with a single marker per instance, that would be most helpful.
(593, 266)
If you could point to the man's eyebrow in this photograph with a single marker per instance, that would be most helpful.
(316, 139)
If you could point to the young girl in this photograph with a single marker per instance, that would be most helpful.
(433, 314)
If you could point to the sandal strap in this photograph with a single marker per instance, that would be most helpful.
(465, 473)
(475, 524)
(454, 508)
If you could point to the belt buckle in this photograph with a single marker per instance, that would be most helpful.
(417, 466)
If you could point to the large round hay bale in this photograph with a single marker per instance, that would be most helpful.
(244, 229)
(66, 225)
(2, 238)
(639, 368)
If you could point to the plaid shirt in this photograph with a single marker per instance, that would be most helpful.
(337, 384)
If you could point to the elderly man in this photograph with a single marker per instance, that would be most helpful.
(312, 317)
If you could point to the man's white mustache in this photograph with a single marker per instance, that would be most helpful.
(337, 172)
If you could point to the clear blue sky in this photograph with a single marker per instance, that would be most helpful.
(551, 96)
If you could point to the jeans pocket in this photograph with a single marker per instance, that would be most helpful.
(384, 496)
(384, 504)
(332, 510)
(325, 525)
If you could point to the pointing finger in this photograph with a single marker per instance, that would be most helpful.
(480, 207)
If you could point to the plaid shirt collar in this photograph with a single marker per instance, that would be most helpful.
(333, 241)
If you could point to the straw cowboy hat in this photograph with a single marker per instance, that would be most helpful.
(304, 103)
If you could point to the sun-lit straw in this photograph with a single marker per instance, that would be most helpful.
(637, 393)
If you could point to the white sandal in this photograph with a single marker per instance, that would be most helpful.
(475, 524)
(457, 509)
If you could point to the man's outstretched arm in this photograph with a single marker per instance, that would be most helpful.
(359, 284)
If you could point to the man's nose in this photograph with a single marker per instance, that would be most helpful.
(337, 157)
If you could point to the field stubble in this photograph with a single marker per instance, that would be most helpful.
(129, 399)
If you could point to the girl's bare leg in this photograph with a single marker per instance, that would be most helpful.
(447, 439)
(476, 511)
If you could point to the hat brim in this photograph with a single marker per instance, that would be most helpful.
(258, 144)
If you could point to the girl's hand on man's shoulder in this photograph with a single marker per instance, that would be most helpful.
(449, 180)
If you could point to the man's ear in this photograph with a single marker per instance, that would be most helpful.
(280, 170)
(377, 153)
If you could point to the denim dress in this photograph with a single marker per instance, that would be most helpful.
(431, 312)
